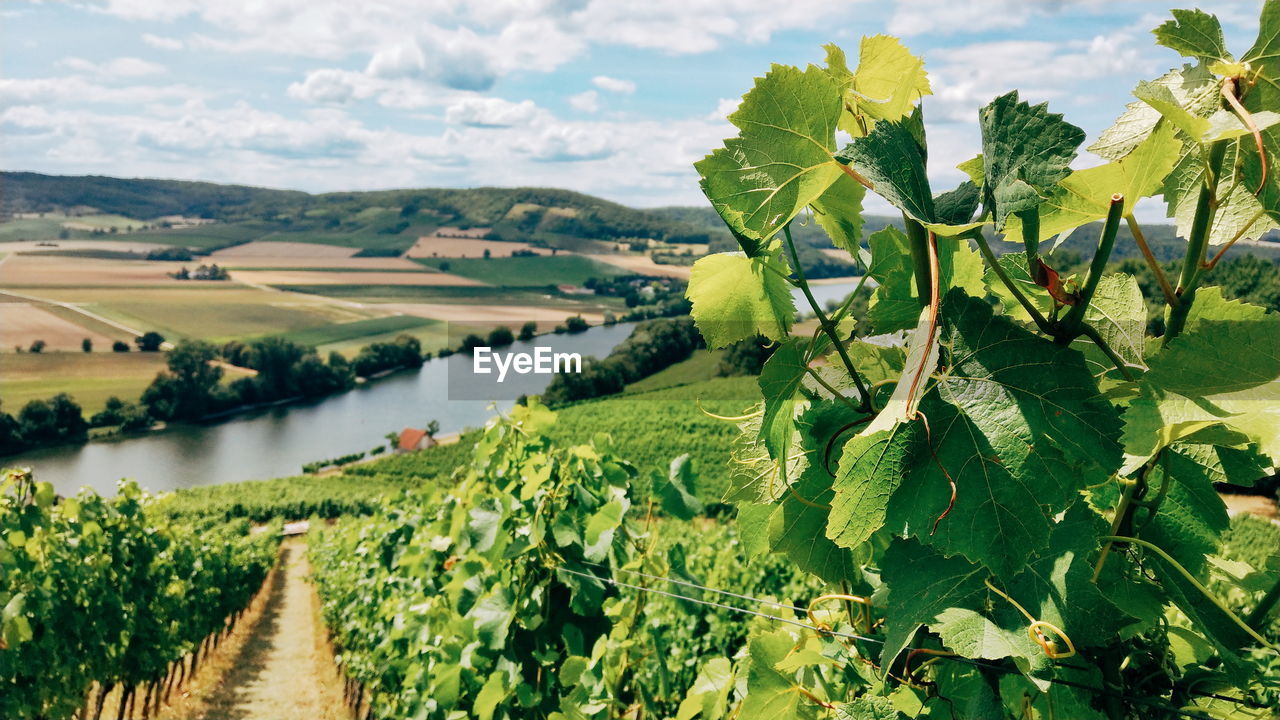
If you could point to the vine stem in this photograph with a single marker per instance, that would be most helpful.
(1091, 332)
(990, 257)
(1075, 317)
(1268, 603)
(1211, 264)
(826, 324)
(919, 240)
(1197, 245)
(1135, 490)
(1186, 574)
(1170, 297)
(1031, 239)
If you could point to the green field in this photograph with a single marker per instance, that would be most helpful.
(457, 295)
(433, 335)
(700, 367)
(88, 377)
(216, 314)
(526, 271)
(329, 334)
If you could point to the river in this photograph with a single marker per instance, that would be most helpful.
(277, 441)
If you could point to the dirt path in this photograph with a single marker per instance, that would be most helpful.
(282, 671)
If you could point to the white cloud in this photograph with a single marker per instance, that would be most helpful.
(616, 85)
(325, 86)
(588, 101)
(75, 88)
(162, 43)
(492, 112)
(403, 59)
(116, 67)
(724, 109)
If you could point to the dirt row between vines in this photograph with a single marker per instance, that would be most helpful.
(277, 665)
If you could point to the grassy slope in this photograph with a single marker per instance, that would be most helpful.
(700, 367)
(527, 271)
(88, 377)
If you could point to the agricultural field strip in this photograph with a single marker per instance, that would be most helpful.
(77, 309)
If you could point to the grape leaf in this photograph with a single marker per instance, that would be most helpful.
(1191, 517)
(782, 159)
(889, 79)
(796, 530)
(891, 159)
(839, 212)
(1193, 33)
(871, 469)
(779, 381)
(956, 207)
(772, 694)
(1085, 195)
(1119, 313)
(736, 297)
(869, 707)
(1016, 421)
(1238, 209)
(1014, 265)
(1223, 370)
(922, 360)
(1193, 88)
(1264, 57)
(708, 696)
(895, 304)
(678, 489)
(1026, 151)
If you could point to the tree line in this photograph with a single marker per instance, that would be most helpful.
(193, 387)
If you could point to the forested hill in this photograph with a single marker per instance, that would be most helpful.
(522, 211)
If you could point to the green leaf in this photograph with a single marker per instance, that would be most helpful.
(1014, 265)
(779, 382)
(1026, 151)
(922, 360)
(678, 490)
(600, 530)
(895, 304)
(921, 584)
(493, 693)
(956, 207)
(782, 159)
(1264, 57)
(1016, 421)
(1194, 34)
(839, 212)
(1119, 313)
(796, 530)
(889, 80)
(871, 469)
(1224, 370)
(1238, 209)
(1192, 517)
(772, 694)
(869, 707)
(709, 695)
(736, 297)
(1193, 88)
(891, 159)
(493, 615)
(1085, 195)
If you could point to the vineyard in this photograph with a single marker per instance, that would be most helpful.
(1008, 509)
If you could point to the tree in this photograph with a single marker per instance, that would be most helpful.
(471, 342)
(150, 341)
(186, 391)
(501, 336)
(37, 346)
(274, 359)
(86, 345)
(576, 324)
(487, 254)
(528, 331)
(120, 346)
(433, 427)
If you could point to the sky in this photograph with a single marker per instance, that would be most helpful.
(616, 98)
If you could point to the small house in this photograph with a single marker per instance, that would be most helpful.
(414, 439)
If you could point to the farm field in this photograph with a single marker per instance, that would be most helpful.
(212, 313)
(527, 271)
(26, 271)
(349, 277)
(281, 249)
(432, 334)
(643, 265)
(23, 323)
(89, 378)
(700, 367)
(328, 335)
(460, 247)
(511, 316)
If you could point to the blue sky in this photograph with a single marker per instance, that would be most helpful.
(612, 98)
